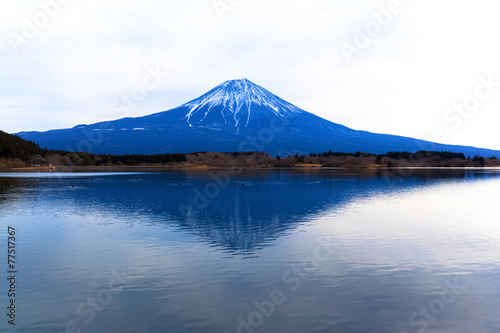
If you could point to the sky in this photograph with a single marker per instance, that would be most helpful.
(419, 68)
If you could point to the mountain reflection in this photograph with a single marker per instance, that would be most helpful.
(242, 213)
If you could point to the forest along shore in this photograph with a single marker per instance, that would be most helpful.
(71, 161)
(22, 155)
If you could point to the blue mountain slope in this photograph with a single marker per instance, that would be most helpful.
(237, 115)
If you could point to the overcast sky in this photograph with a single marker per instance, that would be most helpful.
(423, 68)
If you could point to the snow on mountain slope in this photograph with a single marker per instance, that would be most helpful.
(237, 115)
(234, 102)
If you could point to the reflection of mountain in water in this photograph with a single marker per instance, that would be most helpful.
(249, 213)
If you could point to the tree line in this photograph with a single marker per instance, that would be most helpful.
(12, 146)
(19, 152)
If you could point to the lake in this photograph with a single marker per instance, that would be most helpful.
(326, 250)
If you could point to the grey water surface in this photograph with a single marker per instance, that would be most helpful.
(408, 250)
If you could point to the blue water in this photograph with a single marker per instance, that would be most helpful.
(257, 251)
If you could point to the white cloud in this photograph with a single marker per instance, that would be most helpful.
(92, 52)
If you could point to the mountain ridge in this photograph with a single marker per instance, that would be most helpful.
(237, 115)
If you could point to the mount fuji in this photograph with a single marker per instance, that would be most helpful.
(237, 115)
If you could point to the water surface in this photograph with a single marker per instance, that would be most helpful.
(263, 251)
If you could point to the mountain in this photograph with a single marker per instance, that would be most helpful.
(237, 115)
(12, 146)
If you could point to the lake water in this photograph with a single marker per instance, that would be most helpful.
(262, 251)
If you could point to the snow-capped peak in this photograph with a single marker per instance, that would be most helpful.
(236, 101)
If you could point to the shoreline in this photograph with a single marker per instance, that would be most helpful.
(161, 168)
